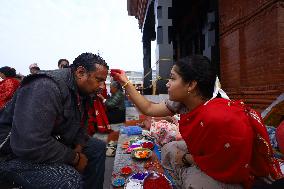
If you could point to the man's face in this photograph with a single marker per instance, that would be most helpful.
(34, 70)
(2, 76)
(63, 64)
(90, 82)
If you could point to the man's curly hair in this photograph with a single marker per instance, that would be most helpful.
(88, 61)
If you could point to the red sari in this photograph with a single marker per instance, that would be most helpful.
(8, 87)
(229, 142)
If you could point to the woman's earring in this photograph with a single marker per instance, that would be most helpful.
(188, 92)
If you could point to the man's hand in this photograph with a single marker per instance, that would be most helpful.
(100, 96)
(82, 163)
(78, 148)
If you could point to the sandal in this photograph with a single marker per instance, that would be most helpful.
(112, 144)
(110, 151)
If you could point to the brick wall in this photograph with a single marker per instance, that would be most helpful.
(252, 50)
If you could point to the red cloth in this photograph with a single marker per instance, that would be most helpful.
(280, 136)
(96, 116)
(222, 138)
(7, 89)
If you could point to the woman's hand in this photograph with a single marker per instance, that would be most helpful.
(119, 75)
(178, 157)
(182, 158)
(187, 159)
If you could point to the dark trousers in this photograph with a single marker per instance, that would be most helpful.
(115, 116)
(58, 176)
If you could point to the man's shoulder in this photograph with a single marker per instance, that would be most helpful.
(36, 77)
(39, 84)
(49, 78)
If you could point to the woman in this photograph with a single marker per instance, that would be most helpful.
(225, 144)
(8, 84)
(115, 105)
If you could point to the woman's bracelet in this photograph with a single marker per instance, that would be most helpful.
(125, 84)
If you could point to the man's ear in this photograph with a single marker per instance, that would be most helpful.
(80, 72)
(192, 86)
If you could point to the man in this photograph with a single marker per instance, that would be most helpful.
(34, 68)
(115, 104)
(48, 148)
(63, 63)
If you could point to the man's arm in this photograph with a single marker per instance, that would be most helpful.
(37, 105)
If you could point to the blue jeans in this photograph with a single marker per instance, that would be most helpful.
(59, 176)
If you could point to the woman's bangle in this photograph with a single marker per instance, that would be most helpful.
(125, 84)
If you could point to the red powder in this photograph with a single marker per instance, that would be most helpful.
(157, 182)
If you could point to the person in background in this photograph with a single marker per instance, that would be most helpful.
(225, 144)
(43, 145)
(34, 68)
(8, 85)
(63, 63)
(115, 103)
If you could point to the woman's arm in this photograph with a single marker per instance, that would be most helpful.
(144, 106)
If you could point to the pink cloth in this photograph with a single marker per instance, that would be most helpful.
(164, 132)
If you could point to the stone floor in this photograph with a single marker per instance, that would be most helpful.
(109, 160)
(131, 114)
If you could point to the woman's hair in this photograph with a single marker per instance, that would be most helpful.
(116, 84)
(8, 71)
(88, 61)
(200, 69)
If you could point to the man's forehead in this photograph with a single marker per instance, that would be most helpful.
(101, 67)
(100, 72)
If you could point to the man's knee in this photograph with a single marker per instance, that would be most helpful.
(97, 146)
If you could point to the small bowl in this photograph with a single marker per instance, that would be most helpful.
(118, 182)
(140, 176)
(126, 170)
(149, 145)
(135, 146)
(141, 153)
(153, 177)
